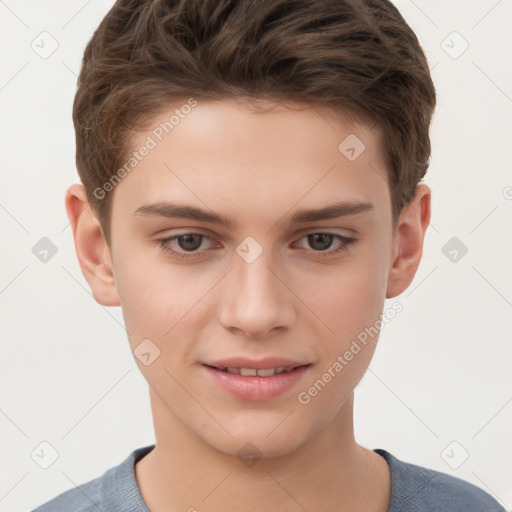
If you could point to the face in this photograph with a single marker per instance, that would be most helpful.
(220, 262)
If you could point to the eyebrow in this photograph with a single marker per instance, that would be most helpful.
(180, 211)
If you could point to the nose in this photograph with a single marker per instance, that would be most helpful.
(255, 299)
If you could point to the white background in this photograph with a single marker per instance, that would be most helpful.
(441, 372)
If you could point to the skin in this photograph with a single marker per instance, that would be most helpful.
(258, 168)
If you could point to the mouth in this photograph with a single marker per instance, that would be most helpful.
(266, 382)
(256, 372)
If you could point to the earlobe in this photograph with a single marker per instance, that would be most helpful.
(408, 248)
(91, 247)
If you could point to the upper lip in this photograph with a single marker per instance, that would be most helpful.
(258, 364)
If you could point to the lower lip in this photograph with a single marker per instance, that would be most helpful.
(257, 388)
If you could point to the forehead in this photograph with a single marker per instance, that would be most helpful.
(230, 154)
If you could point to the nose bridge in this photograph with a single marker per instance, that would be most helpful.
(253, 257)
(256, 284)
(256, 300)
(254, 279)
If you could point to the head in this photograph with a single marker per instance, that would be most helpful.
(255, 114)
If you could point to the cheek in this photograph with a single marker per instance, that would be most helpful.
(351, 305)
(159, 298)
(347, 298)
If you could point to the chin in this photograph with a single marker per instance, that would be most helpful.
(249, 451)
(251, 444)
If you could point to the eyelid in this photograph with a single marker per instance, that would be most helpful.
(331, 230)
(346, 243)
(174, 237)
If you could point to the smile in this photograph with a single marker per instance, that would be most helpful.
(255, 372)
(257, 384)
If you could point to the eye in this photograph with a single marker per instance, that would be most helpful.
(322, 241)
(187, 243)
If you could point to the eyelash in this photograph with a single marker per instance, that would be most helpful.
(164, 243)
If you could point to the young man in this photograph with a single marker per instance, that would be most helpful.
(251, 196)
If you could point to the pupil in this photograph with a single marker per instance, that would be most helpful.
(324, 238)
(190, 242)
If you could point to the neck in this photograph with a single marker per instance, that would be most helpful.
(330, 472)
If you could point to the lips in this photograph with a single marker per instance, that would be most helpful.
(253, 372)
(267, 363)
(260, 379)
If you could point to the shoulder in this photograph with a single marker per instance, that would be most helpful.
(115, 490)
(83, 498)
(416, 488)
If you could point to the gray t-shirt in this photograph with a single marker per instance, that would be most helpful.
(413, 489)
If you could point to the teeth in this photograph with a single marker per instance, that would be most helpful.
(248, 372)
(264, 372)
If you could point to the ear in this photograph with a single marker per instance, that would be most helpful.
(91, 247)
(408, 241)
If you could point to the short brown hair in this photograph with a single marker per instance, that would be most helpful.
(357, 55)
